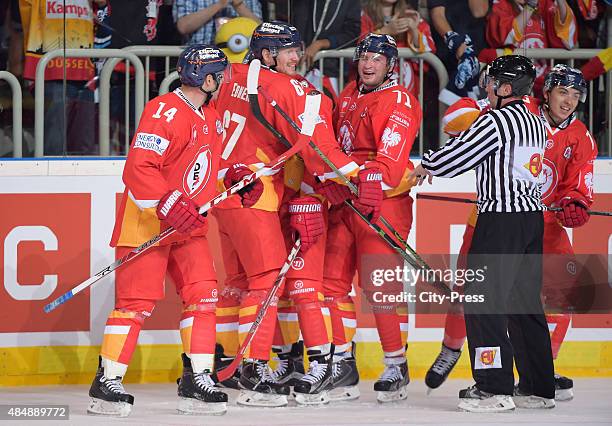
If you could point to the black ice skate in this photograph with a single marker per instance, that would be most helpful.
(222, 361)
(475, 400)
(392, 383)
(290, 366)
(345, 378)
(197, 392)
(108, 397)
(564, 388)
(313, 388)
(441, 367)
(259, 389)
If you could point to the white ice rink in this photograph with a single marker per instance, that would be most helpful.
(155, 404)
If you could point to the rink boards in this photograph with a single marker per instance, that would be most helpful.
(56, 218)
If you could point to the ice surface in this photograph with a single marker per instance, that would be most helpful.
(155, 404)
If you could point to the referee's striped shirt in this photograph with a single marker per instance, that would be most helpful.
(506, 147)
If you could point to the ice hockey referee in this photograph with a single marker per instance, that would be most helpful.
(506, 147)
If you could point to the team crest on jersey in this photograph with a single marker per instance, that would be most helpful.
(550, 178)
(346, 135)
(549, 143)
(392, 137)
(567, 153)
(205, 129)
(198, 173)
(219, 126)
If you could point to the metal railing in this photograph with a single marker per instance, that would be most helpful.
(140, 51)
(134, 54)
(572, 56)
(17, 112)
(39, 91)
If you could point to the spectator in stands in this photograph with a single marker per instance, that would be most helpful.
(196, 20)
(531, 24)
(115, 32)
(589, 15)
(459, 35)
(70, 121)
(401, 20)
(326, 24)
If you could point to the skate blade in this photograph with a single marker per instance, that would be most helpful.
(494, 404)
(190, 406)
(429, 391)
(312, 399)
(533, 402)
(346, 393)
(99, 407)
(258, 399)
(564, 394)
(392, 396)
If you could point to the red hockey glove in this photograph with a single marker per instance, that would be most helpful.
(178, 211)
(370, 194)
(334, 192)
(574, 213)
(306, 218)
(250, 193)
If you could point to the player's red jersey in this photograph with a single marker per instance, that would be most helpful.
(176, 146)
(378, 129)
(568, 157)
(544, 29)
(247, 141)
(568, 160)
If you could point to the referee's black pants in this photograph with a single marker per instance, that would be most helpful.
(508, 247)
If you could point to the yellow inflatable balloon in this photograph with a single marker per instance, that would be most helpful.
(234, 37)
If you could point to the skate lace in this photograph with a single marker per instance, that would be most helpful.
(392, 373)
(204, 381)
(336, 370)
(280, 370)
(265, 373)
(315, 373)
(114, 385)
(445, 361)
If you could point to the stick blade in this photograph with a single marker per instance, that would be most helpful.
(253, 76)
(311, 113)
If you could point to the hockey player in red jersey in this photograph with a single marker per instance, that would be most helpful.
(568, 172)
(532, 24)
(252, 239)
(170, 171)
(376, 126)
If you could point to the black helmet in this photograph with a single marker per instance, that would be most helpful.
(378, 43)
(516, 70)
(273, 36)
(565, 76)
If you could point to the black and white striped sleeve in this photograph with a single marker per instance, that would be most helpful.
(464, 152)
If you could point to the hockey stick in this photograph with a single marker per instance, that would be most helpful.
(228, 371)
(470, 201)
(311, 114)
(253, 89)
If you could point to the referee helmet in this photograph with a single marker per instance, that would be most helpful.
(516, 70)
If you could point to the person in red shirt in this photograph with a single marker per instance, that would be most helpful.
(251, 232)
(377, 121)
(170, 171)
(568, 171)
(532, 24)
(399, 19)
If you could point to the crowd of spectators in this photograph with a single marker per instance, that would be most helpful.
(462, 33)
